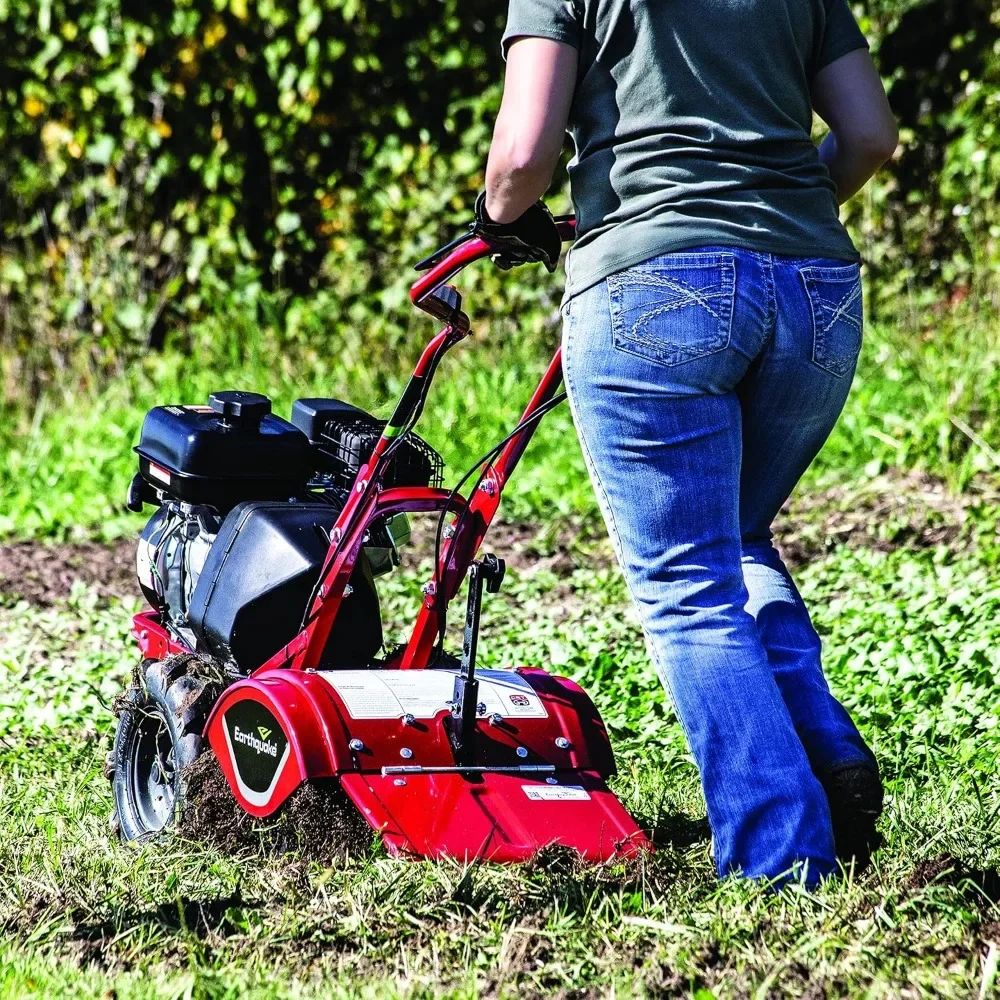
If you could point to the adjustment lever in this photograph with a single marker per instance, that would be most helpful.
(461, 724)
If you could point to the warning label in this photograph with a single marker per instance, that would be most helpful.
(556, 793)
(391, 694)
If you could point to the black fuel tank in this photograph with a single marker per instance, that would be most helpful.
(259, 575)
(231, 450)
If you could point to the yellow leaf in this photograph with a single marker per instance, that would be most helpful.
(187, 52)
(239, 9)
(33, 107)
(214, 32)
(163, 128)
(55, 135)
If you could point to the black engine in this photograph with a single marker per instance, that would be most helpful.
(247, 501)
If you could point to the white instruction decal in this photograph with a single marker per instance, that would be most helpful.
(556, 793)
(391, 694)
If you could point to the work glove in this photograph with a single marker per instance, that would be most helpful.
(530, 238)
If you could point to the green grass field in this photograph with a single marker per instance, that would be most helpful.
(894, 536)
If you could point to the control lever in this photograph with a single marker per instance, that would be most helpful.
(461, 724)
(445, 304)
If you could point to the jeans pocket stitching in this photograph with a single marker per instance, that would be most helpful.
(841, 313)
(690, 295)
(826, 315)
(663, 352)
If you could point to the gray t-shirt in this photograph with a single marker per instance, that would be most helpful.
(692, 122)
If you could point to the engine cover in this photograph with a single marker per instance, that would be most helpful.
(257, 580)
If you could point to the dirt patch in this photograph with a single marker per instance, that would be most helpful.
(894, 511)
(981, 886)
(318, 819)
(559, 548)
(44, 574)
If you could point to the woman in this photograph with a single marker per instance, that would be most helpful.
(712, 324)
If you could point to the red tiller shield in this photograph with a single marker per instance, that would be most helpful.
(496, 817)
(542, 757)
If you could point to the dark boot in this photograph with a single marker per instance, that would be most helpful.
(855, 797)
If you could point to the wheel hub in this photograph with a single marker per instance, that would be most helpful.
(152, 772)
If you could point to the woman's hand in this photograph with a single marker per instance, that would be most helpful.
(528, 138)
(848, 95)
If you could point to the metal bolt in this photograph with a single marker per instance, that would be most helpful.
(428, 589)
(481, 708)
(356, 745)
(562, 742)
(335, 535)
(449, 531)
(488, 487)
(551, 781)
(405, 752)
(399, 782)
(522, 751)
(496, 719)
(348, 590)
(361, 486)
(409, 720)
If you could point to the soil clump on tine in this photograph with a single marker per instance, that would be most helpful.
(318, 820)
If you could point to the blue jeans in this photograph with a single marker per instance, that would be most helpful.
(702, 384)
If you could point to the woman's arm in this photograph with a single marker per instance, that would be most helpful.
(848, 95)
(537, 94)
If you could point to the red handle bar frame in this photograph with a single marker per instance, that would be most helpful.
(368, 502)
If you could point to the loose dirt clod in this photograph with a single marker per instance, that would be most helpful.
(44, 574)
(318, 819)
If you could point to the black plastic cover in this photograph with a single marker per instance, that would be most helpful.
(259, 575)
(311, 415)
(203, 457)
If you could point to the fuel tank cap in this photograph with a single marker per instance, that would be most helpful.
(242, 410)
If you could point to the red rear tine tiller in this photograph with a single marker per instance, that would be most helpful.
(265, 635)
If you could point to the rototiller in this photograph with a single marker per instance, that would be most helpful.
(265, 635)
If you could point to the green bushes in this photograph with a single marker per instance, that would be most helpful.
(270, 163)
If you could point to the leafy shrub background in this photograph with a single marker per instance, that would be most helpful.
(187, 172)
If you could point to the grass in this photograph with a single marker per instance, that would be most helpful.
(911, 653)
(927, 398)
(895, 531)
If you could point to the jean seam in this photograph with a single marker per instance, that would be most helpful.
(772, 301)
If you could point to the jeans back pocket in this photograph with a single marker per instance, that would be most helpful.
(836, 300)
(674, 308)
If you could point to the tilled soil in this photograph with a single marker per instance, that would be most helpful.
(902, 510)
(318, 819)
(44, 574)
